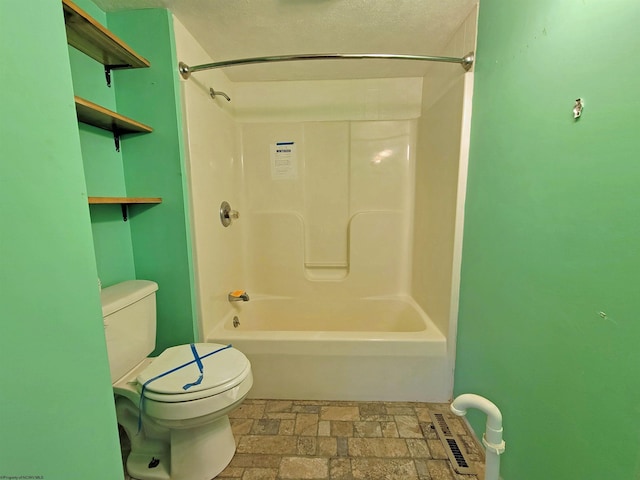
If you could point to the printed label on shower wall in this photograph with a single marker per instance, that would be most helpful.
(284, 161)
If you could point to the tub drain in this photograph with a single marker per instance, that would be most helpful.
(236, 321)
(451, 445)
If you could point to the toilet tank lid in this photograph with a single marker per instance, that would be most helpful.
(121, 295)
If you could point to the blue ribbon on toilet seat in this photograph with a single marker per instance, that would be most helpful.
(200, 367)
(197, 360)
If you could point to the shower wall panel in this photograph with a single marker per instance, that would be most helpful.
(215, 172)
(326, 196)
(339, 220)
(440, 179)
(328, 100)
(437, 192)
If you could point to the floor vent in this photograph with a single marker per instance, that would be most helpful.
(451, 445)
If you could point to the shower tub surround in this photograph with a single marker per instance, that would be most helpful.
(327, 257)
(350, 196)
(310, 348)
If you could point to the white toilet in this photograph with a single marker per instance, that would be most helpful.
(183, 432)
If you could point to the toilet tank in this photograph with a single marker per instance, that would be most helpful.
(129, 312)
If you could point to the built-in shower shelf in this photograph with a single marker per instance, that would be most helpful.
(92, 39)
(124, 202)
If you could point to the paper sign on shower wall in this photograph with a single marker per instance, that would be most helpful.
(284, 161)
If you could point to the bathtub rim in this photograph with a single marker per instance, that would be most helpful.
(429, 342)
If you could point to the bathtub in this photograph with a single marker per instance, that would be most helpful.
(377, 348)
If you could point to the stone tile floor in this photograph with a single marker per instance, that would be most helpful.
(284, 439)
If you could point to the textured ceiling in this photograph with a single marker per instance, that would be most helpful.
(230, 29)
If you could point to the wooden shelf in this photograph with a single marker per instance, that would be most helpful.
(92, 39)
(93, 114)
(123, 200)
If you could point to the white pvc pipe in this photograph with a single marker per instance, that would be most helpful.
(492, 438)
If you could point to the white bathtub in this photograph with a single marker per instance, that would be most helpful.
(379, 348)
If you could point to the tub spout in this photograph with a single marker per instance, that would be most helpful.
(492, 438)
(238, 296)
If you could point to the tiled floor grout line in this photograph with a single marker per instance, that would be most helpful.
(344, 440)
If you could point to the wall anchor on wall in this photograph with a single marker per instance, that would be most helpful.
(577, 108)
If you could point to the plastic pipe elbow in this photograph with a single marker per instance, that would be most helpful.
(493, 434)
(470, 400)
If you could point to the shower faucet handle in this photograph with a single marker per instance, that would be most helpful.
(227, 214)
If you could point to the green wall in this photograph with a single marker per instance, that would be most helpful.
(155, 166)
(154, 244)
(56, 392)
(551, 234)
(103, 165)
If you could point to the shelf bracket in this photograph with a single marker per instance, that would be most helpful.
(125, 211)
(107, 75)
(107, 71)
(116, 139)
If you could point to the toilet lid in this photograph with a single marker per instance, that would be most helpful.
(225, 368)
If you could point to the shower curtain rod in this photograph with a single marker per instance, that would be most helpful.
(186, 70)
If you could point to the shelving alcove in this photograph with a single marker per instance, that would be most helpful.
(94, 40)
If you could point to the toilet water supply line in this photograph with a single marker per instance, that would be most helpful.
(197, 359)
(492, 438)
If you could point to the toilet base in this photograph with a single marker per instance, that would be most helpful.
(197, 453)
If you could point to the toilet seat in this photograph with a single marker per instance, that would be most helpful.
(184, 410)
(224, 368)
